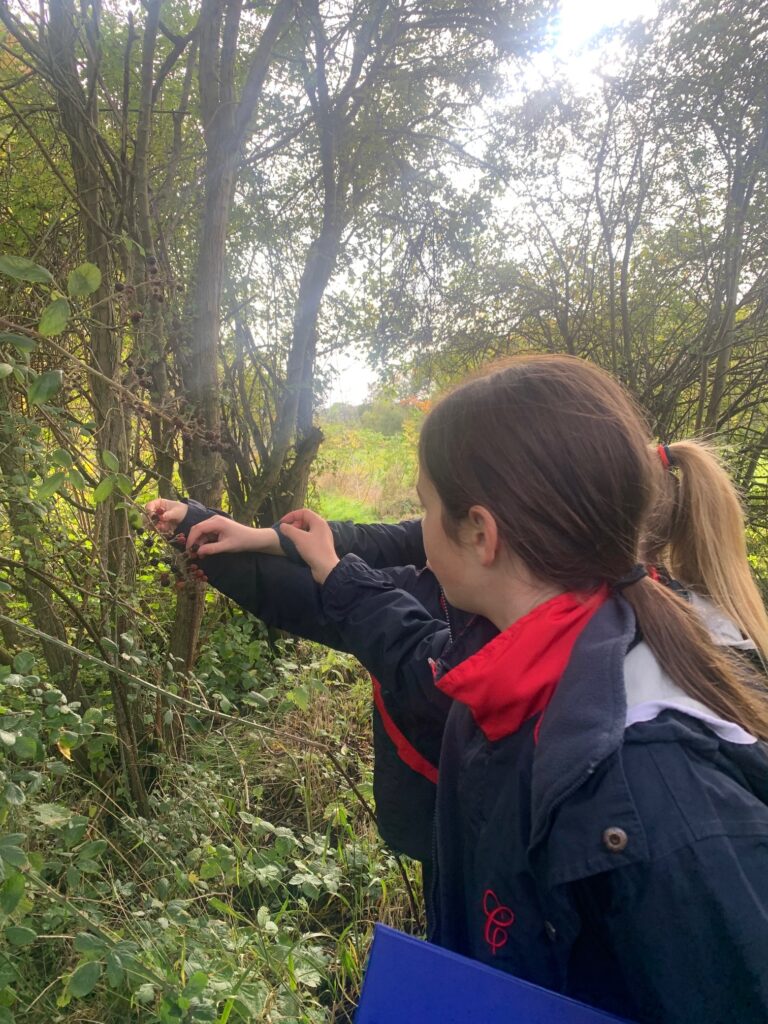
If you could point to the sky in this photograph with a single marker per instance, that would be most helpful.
(579, 22)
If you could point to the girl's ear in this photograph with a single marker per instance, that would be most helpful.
(482, 534)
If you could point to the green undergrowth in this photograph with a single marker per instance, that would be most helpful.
(250, 894)
(365, 475)
(333, 505)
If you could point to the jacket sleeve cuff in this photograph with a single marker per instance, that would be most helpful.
(289, 548)
(196, 513)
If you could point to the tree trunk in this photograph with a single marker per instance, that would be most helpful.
(116, 545)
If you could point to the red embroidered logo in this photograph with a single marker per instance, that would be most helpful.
(498, 920)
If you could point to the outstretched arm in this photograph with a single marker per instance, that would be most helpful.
(281, 591)
(274, 589)
(379, 544)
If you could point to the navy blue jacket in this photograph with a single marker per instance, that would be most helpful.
(614, 849)
(282, 593)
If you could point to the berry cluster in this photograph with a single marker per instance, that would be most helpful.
(153, 283)
(176, 411)
(179, 566)
(153, 271)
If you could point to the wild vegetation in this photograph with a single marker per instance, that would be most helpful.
(201, 203)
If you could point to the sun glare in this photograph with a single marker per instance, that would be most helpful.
(581, 20)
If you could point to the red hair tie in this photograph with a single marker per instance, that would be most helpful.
(665, 455)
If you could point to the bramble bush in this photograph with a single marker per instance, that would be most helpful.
(249, 895)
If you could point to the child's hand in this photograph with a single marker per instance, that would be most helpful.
(313, 539)
(166, 515)
(218, 534)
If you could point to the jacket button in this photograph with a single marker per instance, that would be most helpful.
(615, 839)
(551, 931)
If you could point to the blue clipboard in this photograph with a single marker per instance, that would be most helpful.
(413, 982)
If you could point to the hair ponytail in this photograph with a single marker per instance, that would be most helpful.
(676, 634)
(697, 531)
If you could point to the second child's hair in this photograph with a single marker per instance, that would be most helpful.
(557, 451)
(697, 531)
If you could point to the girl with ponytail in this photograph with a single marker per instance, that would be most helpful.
(696, 533)
(602, 798)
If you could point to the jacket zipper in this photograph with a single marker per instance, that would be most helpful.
(444, 606)
(434, 663)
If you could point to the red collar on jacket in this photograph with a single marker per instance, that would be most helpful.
(514, 675)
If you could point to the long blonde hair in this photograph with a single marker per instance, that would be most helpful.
(697, 532)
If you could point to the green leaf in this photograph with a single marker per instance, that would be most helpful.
(75, 830)
(115, 970)
(19, 341)
(13, 795)
(299, 696)
(23, 269)
(110, 461)
(36, 861)
(76, 479)
(45, 386)
(51, 485)
(124, 484)
(83, 280)
(87, 943)
(55, 318)
(24, 662)
(17, 935)
(11, 893)
(13, 855)
(93, 848)
(196, 984)
(223, 907)
(6, 369)
(27, 748)
(210, 869)
(6, 1017)
(84, 979)
(104, 489)
(61, 457)
(11, 839)
(52, 815)
(145, 993)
